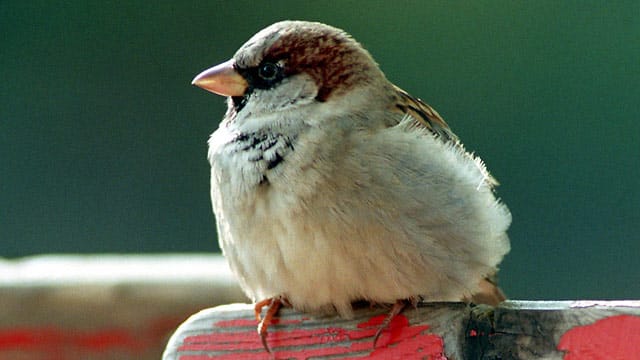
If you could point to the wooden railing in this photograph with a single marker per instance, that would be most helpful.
(101, 307)
(127, 307)
(570, 330)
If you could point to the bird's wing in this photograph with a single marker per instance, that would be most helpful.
(424, 115)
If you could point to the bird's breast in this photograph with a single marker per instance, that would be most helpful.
(247, 160)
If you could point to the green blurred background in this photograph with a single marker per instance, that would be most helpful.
(103, 139)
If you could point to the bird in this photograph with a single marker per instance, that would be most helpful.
(330, 185)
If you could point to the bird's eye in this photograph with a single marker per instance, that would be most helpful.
(268, 71)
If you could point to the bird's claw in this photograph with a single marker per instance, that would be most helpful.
(274, 304)
(395, 310)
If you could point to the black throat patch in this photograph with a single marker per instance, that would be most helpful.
(265, 148)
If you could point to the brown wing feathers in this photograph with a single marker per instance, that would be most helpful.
(425, 115)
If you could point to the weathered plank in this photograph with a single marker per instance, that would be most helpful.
(566, 330)
(514, 330)
(104, 306)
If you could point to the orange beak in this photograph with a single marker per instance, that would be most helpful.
(222, 79)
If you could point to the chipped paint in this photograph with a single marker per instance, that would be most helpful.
(615, 337)
(238, 339)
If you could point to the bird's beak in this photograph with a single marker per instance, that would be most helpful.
(222, 79)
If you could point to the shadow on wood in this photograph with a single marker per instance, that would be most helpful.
(514, 330)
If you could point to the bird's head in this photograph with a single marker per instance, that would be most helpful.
(306, 66)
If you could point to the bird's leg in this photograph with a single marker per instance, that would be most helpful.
(258, 307)
(274, 304)
(395, 310)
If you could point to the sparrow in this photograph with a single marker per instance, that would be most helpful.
(330, 185)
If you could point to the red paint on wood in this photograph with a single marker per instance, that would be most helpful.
(414, 343)
(52, 338)
(615, 337)
(238, 339)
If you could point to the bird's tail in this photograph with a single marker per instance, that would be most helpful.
(489, 293)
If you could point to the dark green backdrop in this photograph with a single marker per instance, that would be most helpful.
(102, 139)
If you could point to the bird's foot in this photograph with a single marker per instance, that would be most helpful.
(273, 305)
(395, 310)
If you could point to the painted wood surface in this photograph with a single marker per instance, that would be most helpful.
(438, 331)
(102, 307)
(126, 307)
